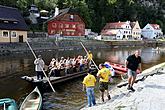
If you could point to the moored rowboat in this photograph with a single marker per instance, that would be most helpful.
(33, 101)
(8, 104)
(120, 69)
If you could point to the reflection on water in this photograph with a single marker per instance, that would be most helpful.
(68, 95)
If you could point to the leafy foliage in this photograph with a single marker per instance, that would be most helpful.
(96, 13)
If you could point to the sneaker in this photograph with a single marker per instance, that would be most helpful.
(94, 104)
(109, 97)
(102, 100)
(132, 89)
(129, 88)
(89, 105)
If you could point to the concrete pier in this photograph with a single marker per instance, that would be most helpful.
(149, 94)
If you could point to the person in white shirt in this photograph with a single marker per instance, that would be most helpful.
(39, 67)
(81, 63)
(51, 65)
(67, 66)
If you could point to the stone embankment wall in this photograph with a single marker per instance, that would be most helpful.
(153, 43)
(49, 44)
(39, 44)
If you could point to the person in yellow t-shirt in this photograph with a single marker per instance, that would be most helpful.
(104, 75)
(89, 83)
(89, 58)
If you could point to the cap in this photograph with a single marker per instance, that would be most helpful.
(53, 59)
(39, 56)
(102, 64)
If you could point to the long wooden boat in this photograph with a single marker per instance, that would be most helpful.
(55, 80)
(8, 104)
(33, 101)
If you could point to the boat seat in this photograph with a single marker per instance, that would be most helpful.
(34, 100)
(31, 108)
(32, 104)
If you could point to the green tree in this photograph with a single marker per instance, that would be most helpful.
(10, 3)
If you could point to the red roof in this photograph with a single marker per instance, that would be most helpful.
(115, 25)
(107, 33)
(155, 26)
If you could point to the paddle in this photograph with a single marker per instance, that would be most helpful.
(4, 106)
(40, 65)
(87, 54)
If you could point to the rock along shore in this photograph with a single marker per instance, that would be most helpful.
(149, 94)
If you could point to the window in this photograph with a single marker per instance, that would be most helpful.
(61, 25)
(5, 34)
(53, 32)
(71, 17)
(6, 21)
(127, 27)
(54, 25)
(73, 26)
(66, 25)
(13, 34)
(72, 33)
(68, 33)
(15, 22)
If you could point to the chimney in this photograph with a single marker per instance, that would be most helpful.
(56, 12)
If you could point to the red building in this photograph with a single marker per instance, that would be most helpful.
(66, 23)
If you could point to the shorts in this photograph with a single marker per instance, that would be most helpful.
(131, 73)
(103, 86)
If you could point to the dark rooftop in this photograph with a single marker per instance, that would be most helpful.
(64, 11)
(11, 19)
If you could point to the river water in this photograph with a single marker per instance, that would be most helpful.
(68, 95)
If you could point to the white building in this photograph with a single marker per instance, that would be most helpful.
(152, 31)
(117, 30)
(136, 30)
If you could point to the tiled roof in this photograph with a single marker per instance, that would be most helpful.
(11, 19)
(115, 25)
(109, 32)
(155, 26)
(62, 12)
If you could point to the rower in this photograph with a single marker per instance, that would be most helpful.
(89, 58)
(51, 65)
(67, 66)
